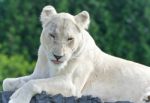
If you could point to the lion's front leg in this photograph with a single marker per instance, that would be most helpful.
(40, 71)
(56, 85)
(12, 84)
(52, 86)
(25, 93)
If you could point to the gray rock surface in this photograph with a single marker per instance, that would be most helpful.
(45, 98)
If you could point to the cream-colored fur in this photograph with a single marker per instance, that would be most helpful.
(83, 69)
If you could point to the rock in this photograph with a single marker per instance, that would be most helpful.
(45, 98)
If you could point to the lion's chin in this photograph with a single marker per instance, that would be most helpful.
(57, 65)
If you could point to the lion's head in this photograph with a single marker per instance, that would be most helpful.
(62, 34)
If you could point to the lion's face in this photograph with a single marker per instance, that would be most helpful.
(61, 36)
(60, 39)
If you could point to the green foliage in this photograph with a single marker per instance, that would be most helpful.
(15, 65)
(119, 27)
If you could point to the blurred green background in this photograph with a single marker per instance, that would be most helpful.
(119, 27)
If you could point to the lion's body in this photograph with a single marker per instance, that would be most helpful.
(69, 62)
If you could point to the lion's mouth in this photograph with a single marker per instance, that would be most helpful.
(56, 61)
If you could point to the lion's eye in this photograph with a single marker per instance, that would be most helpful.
(53, 36)
(69, 39)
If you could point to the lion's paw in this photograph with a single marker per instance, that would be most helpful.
(10, 84)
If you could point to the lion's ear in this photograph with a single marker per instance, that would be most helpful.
(46, 13)
(83, 19)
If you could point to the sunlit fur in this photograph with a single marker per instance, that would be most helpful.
(84, 68)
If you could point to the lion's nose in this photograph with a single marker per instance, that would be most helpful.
(57, 57)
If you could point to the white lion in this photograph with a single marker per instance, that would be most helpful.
(70, 63)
